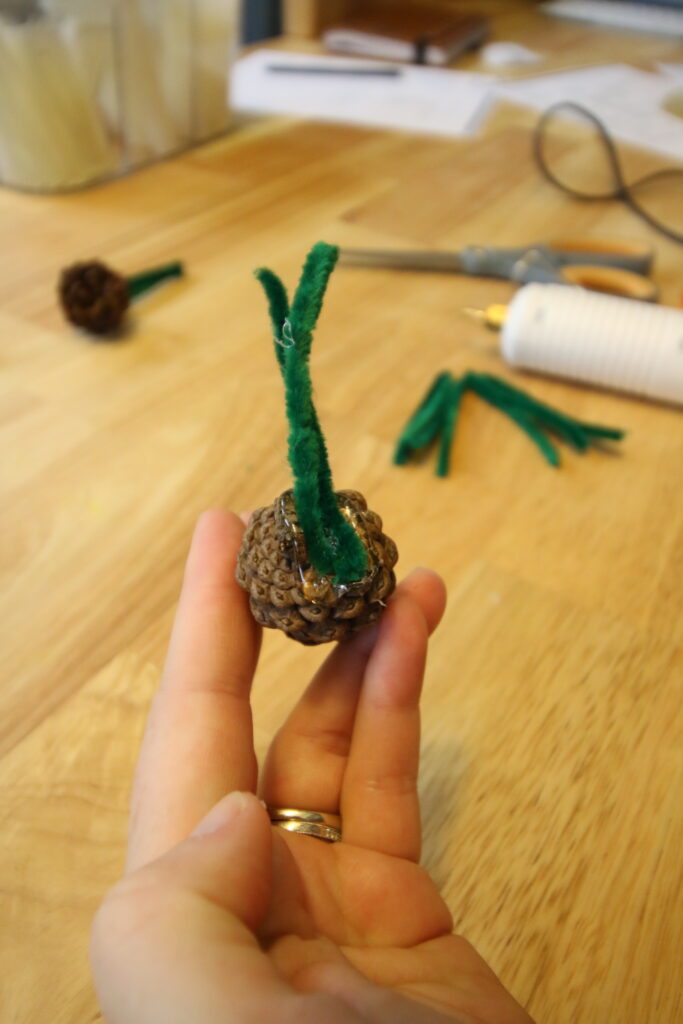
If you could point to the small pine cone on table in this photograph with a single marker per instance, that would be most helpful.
(286, 592)
(93, 296)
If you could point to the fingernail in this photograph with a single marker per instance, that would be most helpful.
(224, 813)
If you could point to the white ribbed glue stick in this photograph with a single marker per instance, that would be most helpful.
(596, 338)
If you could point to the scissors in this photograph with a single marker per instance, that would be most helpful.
(617, 266)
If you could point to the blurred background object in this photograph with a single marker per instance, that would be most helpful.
(91, 90)
(308, 18)
(261, 19)
(417, 33)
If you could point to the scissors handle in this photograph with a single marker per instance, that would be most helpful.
(612, 280)
(492, 261)
(623, 253)
(534, 267)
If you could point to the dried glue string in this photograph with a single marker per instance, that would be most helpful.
(436, 418)
(334, 548)
(621, 189)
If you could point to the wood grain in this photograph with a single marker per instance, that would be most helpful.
(552, 711)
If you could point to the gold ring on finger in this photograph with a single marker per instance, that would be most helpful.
(311, 828)
(297, 814)
(320, 824)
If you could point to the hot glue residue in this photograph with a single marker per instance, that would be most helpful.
(321, 589)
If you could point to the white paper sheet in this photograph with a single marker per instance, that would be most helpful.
(620, 14)
(628, 101)
(426, 100)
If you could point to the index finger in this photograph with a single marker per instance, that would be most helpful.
(198, 743)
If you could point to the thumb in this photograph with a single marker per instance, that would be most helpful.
(174, 940)
(228, 858)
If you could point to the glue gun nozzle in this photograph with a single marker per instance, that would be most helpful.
(493, 316)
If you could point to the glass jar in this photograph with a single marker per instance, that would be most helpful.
(90, 89)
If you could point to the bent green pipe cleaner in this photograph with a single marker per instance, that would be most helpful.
(334, 547)
(436, 417)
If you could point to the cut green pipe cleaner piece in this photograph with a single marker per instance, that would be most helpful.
(452, 401)
(436, 417)
(426, 422)
(333, 546)
(139, 284)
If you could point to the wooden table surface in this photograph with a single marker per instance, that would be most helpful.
(552, 709)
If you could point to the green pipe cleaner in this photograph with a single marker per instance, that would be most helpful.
(436, 417)
(334, 547)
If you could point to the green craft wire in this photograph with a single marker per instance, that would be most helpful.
(436, 416)
(308, 447)
(278, 307)
(140, 283)
(577, 431)
(333, 545)
(427, 422)
(503, 395)
(495, 397)
(456, 390)
(304, 312)
(308, 298)
(544, 445)
(322, 513)
(606, 433)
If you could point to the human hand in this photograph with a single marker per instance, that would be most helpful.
(223, 918)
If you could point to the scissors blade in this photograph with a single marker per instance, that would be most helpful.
(474, 260)
(397, 259)
(508, 263)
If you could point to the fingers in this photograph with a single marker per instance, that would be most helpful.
(428, 590)
(174, 941)
(227, 861)
(307, 759)
(374, 1004)
(379, 804)
(199, 741)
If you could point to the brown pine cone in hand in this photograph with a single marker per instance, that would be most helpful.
(93, 296)
(287, 593)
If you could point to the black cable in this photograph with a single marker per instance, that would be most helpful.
(621, 189)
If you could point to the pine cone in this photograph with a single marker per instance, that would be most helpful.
(287, 593)
(93, 296)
